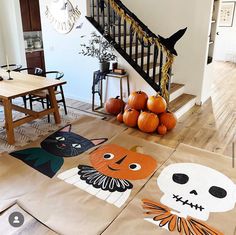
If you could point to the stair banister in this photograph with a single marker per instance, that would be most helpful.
(163, 49)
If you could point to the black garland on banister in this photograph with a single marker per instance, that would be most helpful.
(169, 43)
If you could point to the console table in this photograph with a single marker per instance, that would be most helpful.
(97, 87)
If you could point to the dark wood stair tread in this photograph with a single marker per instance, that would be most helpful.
(180, 101)
(150, 65)
(140, 55)
(175, 86)
(121, 34)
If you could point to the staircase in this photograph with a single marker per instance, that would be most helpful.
(180, 102)
(150, 55)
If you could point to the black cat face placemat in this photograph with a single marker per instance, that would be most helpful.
(193, 193)
(97, 187)
(22, 170)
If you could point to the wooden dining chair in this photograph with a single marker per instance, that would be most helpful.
(35, 71)
(44, 95)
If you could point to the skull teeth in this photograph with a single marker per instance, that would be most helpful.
(186, 202)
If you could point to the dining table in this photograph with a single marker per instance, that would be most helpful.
(22, 84)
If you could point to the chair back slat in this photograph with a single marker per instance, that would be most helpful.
(12, 67)
(35, 71)
(54, 74)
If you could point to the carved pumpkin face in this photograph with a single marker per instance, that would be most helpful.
(117, 162)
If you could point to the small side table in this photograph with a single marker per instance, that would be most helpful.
(97, 87)
(121, 77)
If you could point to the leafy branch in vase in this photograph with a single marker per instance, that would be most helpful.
(98, 47)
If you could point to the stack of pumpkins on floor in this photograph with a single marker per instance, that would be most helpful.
(150, 114)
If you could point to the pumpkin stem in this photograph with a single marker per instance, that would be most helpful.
(117, 97)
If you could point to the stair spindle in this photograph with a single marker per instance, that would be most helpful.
(119, 30)
(169, 82)
(103, 18)
(109, 16)
(130, 42)
(148, 60)
(155, 62)
(136, 48)
(98, 16)
(160, 68)
(142, 53)
(125, 34)
(93, 9)
(113, 24)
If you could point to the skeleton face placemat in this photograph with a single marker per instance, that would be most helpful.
(23, 170)
(193, 193)
(89, 195)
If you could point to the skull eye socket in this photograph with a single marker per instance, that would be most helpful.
(180, 178)
(108, 156)
(217, 192)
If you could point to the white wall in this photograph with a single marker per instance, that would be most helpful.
(166, 17)
(11, 38)
(225, 49)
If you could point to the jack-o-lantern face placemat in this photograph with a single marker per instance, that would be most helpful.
(23, 170)
(194, 192)
(89, 195)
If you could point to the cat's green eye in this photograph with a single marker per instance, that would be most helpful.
(60, 138)
(77, 146)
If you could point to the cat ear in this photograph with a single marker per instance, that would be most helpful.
(98, 141)
(66, 128)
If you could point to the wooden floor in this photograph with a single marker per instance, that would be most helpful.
(211, 126)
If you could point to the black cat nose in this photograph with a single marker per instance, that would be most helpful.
(194, 192)
(121, 160)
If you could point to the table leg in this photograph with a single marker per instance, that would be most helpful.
(9, 121)
(101, 105)
(121, 89)
(54, 105)
(128, 85)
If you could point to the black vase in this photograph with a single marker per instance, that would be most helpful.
(104, 66)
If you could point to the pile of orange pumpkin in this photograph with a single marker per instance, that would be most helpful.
(148, 113)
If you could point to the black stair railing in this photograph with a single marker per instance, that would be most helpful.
(150, 55)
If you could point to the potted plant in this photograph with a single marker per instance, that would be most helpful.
(101, 49)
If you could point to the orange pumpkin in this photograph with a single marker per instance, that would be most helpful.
(118, 162)
(127, 107)
(114, 105)
(130, 117)
(168, 119)
(119, 117)
(138, 100)
(161, 130)
(156, 104)
(148, 122)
